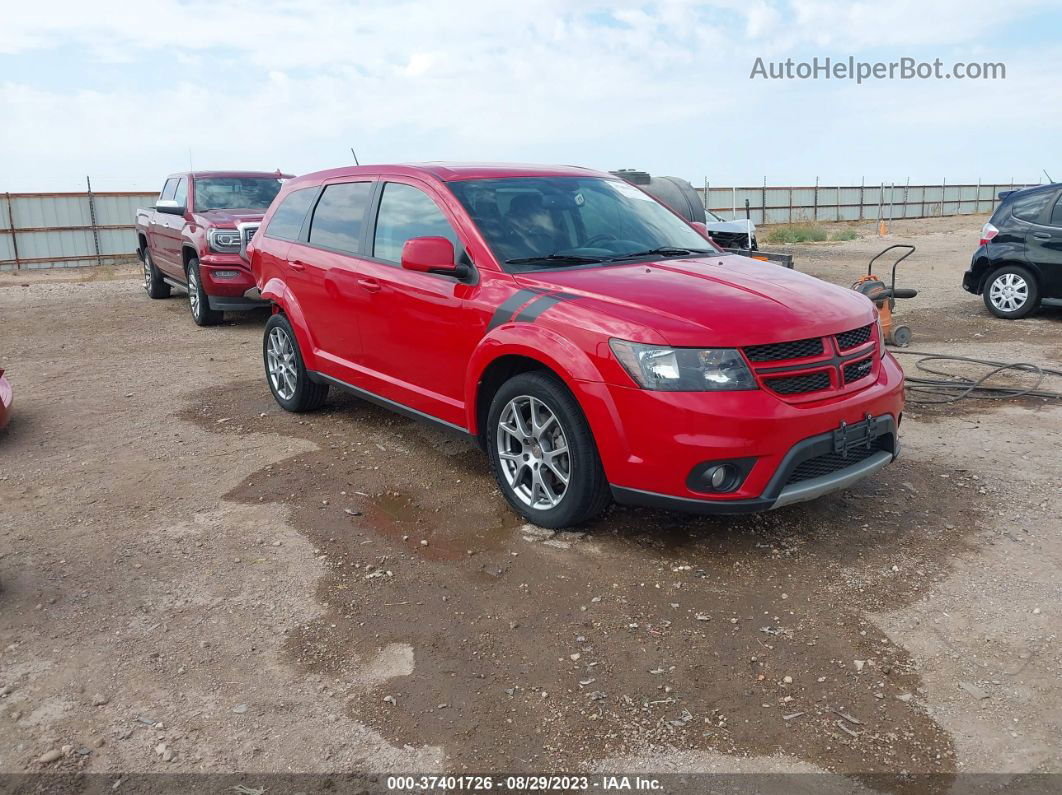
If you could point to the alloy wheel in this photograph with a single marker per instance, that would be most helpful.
(533, 452)
(1009, 292)
(193, 292)
(280, 361)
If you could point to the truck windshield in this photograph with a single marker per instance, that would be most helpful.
(235, 193)
(549, 222)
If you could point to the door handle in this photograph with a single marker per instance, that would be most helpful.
(1041, 235)
(371, 285)
(297, 265)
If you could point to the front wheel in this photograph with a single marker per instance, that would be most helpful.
(542, 452)
(198, 301)
(1011, 292)
(285, 372)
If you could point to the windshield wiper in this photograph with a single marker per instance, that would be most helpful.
(571, 259)
(664, 251)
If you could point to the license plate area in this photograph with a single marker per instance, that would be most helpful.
(855, 436)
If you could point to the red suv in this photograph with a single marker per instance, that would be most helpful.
(595, 344)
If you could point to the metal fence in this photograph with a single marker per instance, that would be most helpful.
(58, 230)
(770, 204)
(62, 230)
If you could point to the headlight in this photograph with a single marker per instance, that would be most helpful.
(881, 336)
(683, 369)
(224, 239)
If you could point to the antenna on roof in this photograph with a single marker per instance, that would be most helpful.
(355, 156)
(1047, 175)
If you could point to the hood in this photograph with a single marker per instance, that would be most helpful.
(728, 301)
(731, 227)
(229, 218)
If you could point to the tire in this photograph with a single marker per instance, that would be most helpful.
(198, 301)
(284, 369)
(154, 286)
(543, 498)
(1011, 292)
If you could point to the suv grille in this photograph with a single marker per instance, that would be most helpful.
(798, 384)
(800, 349)
(856, 370)
(850, 339)
(829, 463)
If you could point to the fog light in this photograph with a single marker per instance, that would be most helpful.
(717, 476)
(226, 274)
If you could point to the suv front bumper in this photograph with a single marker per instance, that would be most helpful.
(653, 444)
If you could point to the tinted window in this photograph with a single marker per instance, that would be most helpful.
(529, 220)
(168, 189)
(407, 212)
(340, 216)
(1028, 206)
(1056, 213)
(181, 194)
(286, 222)
(235, 193)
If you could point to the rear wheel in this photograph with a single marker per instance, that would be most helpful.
(542, 452)
(154, 286)
(198, 301)
(1011, 292)
(285, 372)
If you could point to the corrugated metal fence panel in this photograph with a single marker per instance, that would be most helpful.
(826, 203)
(55, 229)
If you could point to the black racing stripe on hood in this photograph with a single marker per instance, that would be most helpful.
(504, 312)
(531, 312)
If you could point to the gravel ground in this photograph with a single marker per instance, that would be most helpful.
(195, 580)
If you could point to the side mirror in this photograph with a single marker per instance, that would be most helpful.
(430, 255)
(169, 206)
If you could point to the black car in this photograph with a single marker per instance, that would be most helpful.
(1018, 266)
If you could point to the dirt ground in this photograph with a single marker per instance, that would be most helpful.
(195, 581)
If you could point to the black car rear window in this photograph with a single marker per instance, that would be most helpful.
(1028, 206)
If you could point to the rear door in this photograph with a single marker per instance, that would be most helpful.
(418, 329)
(1043, 246)
(171, 229)
(158, 230)
(327, 258)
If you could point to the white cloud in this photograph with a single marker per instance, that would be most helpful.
(293, 84)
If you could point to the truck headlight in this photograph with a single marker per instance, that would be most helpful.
(683, 369)
(225, 240)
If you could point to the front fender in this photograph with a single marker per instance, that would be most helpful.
(277, 291)
(571, 364)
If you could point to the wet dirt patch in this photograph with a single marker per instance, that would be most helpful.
(647, 630)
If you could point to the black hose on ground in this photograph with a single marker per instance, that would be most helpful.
(956, 387)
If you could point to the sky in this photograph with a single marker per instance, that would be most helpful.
(127, 92)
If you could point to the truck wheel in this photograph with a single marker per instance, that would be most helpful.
(1011, 292)
(285, 371)
(542, 452)
(202, 314)
(154, 286)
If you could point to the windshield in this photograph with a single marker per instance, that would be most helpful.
(713, 218)
(235, 193)
(535, 222)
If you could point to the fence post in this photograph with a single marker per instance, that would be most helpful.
(14, 235)
(763, 203)
(92, 219)
(906, 190)
(790, 205)
(815, 205)
(862, 195)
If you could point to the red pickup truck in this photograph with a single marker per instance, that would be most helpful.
(190, 240)
(596, 345)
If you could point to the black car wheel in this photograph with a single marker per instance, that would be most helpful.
(542, 452)
(1011, 292)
